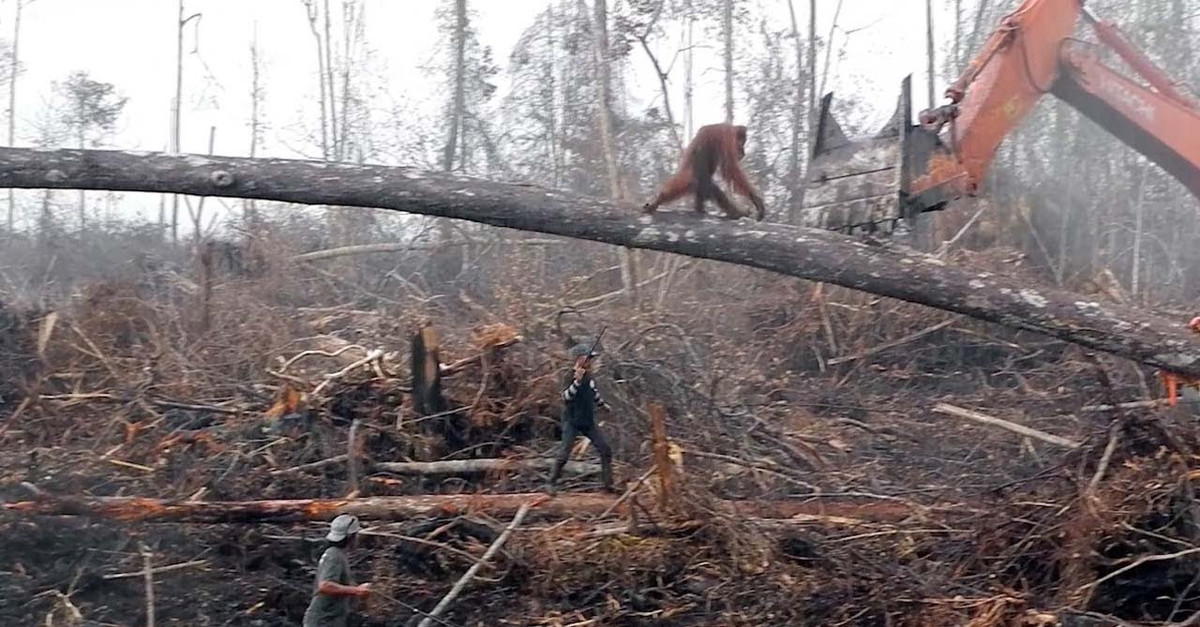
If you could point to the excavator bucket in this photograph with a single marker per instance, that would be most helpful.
(861, 186)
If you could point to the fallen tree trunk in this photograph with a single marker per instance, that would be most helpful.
(135, 509)
(455, 466)
(805, 253)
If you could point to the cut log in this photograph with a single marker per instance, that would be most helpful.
(457, 466)
(565, 505)
(806, 253)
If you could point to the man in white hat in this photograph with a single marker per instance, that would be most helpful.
(330, 606)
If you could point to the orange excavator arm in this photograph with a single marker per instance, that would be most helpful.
(909, 169)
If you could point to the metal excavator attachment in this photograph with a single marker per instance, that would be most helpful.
(862, 186)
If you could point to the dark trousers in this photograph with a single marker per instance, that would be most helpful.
(570, 431)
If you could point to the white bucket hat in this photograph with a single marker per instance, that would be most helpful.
(342, 526)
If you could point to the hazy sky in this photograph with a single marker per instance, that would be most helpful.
(131, 43)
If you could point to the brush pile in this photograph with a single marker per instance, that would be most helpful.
(805, 478)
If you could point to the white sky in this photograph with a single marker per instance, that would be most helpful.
(131, 43)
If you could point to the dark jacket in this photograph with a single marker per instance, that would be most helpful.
(580, 400)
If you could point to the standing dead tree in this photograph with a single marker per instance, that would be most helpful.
(806, 253)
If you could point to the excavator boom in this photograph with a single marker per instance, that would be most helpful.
(873, 184)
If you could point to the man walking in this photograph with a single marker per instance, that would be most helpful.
(330, 605)
(580, 398)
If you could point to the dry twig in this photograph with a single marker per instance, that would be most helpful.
(959, 412)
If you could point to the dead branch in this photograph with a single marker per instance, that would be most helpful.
(912, 337)
(1086, 409)
(806, 253)
(1114, 435)
(82, 397)
(336, 459)
(959, 412)
(462, 364)
(156, 571)
(148, 572)
(372, 357)
(462, 582)
(1138, 562)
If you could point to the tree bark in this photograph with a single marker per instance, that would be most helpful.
(565, 505)
(816, 255)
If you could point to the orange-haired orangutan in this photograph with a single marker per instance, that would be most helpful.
(716, 146)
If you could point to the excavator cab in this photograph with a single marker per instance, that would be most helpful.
(880, 183)
(865, 185)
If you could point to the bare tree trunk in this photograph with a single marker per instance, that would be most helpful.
(460, 82)
(837, 12)
(673, 263)
(727, 32)
(46, 219)
(311, 8)
(1139, 211)
(334, 134)
(82, 194)
(250, 211)
(689, 83)
(197, 216)
(805, 253)
(958, 27)
(607, 139)
(14, 69)
(1067, 159)
(929, 53)
(663, 76)
(552, 114)
(177, 116)
(352, 22)
(795, 175)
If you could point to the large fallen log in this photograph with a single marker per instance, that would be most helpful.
(565, 505)
(456, 466)
(806, 253)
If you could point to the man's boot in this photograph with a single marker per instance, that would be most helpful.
(606, 476)
(552, 484)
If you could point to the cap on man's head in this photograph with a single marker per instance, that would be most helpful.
(342, 526)
(581, 350)
(1195, 324)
